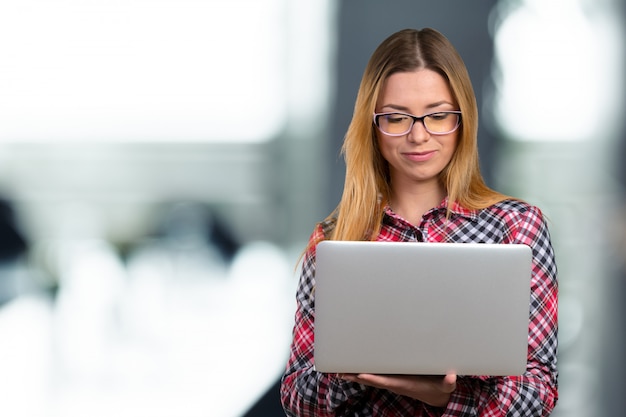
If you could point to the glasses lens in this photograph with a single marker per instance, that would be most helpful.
(394, 123)
(441, 122)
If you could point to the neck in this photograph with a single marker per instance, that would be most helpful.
(412, 204)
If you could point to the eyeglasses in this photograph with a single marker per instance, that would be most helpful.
(398, 124)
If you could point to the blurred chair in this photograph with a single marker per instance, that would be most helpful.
(268, 405)
(12, 246)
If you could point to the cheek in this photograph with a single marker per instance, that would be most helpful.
(383, 147)
(452, 146)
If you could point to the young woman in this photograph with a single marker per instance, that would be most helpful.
(412, 174)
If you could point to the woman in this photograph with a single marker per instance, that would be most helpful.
(412, 174)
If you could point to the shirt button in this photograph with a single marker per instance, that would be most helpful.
(415, 235)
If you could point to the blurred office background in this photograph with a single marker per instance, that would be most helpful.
(162, 164)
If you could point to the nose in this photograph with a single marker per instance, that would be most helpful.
(418, 132)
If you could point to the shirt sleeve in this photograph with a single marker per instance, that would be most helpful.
(305, 392)
(534, 393)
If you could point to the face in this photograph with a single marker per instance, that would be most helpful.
(418, 156)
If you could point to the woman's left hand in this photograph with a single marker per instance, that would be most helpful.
(432, 390)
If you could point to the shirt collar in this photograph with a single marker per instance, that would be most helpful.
(455, 209)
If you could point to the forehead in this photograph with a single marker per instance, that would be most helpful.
(418, 90)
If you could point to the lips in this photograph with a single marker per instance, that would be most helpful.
(419, 156)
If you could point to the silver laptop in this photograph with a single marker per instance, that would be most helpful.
(422, 308)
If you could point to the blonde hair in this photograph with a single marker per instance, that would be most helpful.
(367, 184)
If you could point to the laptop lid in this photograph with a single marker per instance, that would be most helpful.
(422, 308)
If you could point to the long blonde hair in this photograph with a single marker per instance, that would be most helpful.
(367, 184)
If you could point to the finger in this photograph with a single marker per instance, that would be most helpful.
(449, 382)
(373, 379)
(348, 377)
(364, 377)
(378, 381)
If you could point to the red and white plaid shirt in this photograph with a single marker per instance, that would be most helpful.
(307, 393)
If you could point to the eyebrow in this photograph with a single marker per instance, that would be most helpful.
(429, 106)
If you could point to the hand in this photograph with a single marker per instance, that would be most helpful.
(432, 390)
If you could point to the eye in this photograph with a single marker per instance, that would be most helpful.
(439, 116)
(396, 118)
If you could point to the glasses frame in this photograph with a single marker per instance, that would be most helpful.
(417, 119)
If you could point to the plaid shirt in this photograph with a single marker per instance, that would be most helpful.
(305, 392)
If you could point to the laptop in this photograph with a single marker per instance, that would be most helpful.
(422, 308)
